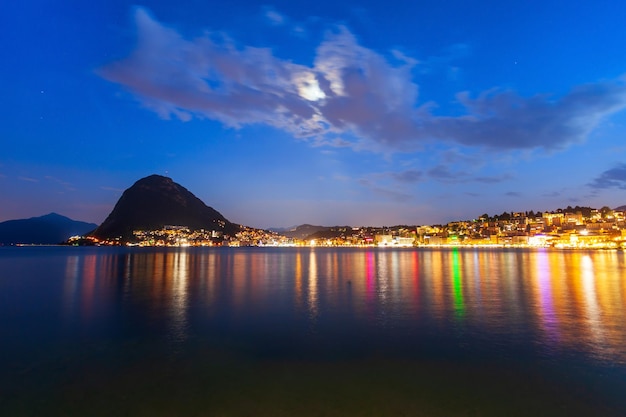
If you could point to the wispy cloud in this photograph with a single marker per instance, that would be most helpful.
(28, 179)
(611, 178)
(457, 156)
(513, 194)
(444, 174)
(106, 188)
(352, 91)
(408, 176)
(551, 194)
(504, 120)
(274, 17)
(493, 179)
(444, 61)
(384, 192)
(282, 21)
(66, 185)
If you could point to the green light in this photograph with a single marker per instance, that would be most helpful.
(459, 304)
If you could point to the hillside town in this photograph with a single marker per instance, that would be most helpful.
(577, 227)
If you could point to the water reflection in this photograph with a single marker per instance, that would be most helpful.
(82, 286)
(312, 285)
(298, 282)
(178, 307)
(459, 305)
(592, 310)
(545, 305)
(562, 300)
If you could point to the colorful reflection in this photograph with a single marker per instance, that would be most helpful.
(312, 298)
(82, 289)
(459, 305)
(592, 308)
(545, 305)
(566, 300)
(416, 280)
(298, 282)
(370, 275)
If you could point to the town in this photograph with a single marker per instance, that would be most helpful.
(577, 227)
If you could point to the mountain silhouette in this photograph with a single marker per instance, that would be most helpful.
(156, 201)
(302, 231)
(49, 229)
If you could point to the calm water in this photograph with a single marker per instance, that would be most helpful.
(324, 332)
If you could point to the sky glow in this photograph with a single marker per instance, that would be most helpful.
(276, 114)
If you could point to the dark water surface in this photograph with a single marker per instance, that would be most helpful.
(319, 332)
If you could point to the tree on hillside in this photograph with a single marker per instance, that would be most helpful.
(504, 216)
(605, 211)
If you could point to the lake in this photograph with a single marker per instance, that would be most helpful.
(311, 332)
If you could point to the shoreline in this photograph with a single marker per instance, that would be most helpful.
(381, 247)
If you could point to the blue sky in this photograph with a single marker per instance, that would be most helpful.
(281, 113)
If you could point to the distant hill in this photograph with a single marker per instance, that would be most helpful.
(300, 232)
(157, 201)
(309, 231)
(49, 229)
(331, 232)
(620, 208)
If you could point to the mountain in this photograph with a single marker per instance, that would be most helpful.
(300, 232)
(156, 201)
(49, 229)
(331, 232)
(620, 208)
(309, 231)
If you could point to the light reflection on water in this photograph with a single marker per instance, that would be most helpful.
(524, 308)
(566, 300)
(545, 304)
(312, 288)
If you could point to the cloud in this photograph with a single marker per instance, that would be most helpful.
(380, 184)
(212, 78)
(279, 20)
(27, 179)
(611, 178)
(504, 120)
(457, 156)
(114, 189)
(366, 98)
(66, 185)
(443, 62)
(274, 17)
(409, 176)
(513, 194)
(385, 192)
(493, 179)
(444, 174)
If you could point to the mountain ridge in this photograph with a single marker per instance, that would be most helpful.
(156, 201)
(49, 229)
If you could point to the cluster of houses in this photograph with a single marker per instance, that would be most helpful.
(579, 227)
(583, 228)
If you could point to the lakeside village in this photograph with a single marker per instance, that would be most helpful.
(570, 228)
